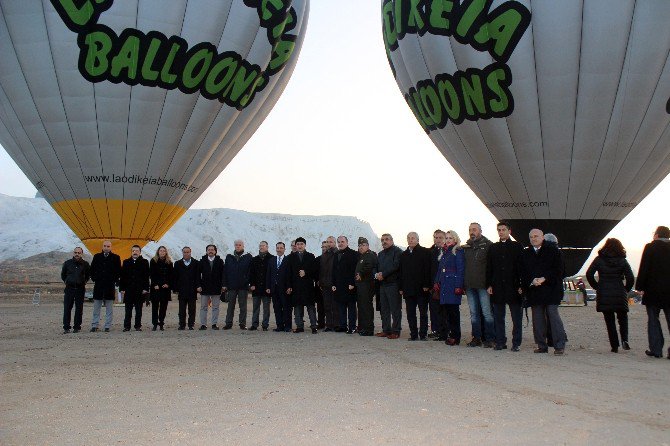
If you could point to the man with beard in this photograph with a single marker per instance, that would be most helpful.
(210, 285)
(437, 317)
(414, 283)
(344, 285)
(105, 272)
(186, 276)
(365, 288)
(276, 281)
(503, 280)
(301, 274)
(476, 251)
(388, 264)
(134, 287)
(236, 284)
(75, 273)
(330, 307)
(258, 274)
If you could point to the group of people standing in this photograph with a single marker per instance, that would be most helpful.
(340, 288)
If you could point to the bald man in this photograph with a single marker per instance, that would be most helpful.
(105, 273)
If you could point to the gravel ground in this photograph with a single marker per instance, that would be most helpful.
(242, 387)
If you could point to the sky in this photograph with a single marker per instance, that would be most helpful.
(342, 141)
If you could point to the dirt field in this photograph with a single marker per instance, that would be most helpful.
(241, 387)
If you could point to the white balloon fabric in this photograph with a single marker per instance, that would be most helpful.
(553, 112)
(122, 112)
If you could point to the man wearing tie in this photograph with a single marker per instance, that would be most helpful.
(276, 282)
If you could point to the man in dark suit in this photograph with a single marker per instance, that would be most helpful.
(300, 278)
(257, 275)
(210, 285)
(74, 274)
(542, 280)
(105, 273)
(276, 282)
(414, 284)
(134, 286)
(653, 282)
(344, 284)
(503, 282)
(186, 277)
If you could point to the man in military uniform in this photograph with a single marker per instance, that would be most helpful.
(365, 287)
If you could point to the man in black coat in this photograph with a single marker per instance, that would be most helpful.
(542, 281)
(210, 285)
(186, 276)
(75, 274)
(276, 283)
(105, 273)
(437, 316)
(332, 315)
(653, 282)
(503, 282)
(300, 277)
(414, 284)
(344, 284)
(134, 286)
(236, 284)
(257, 276)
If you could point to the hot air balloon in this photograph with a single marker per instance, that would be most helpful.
(553, 112)
(122, 112)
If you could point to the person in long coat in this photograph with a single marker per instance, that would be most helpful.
(134, 287)
(365, 288)
(611, 292)
(301, 276)
(448, 282)
(160, 272)
(186, 278)
(105, 273)
(503, 282)
(344, 285)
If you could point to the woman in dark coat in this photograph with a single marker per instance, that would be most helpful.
(160, 272)
(449, 283)
(611, 293)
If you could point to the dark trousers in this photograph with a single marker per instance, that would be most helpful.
(136, 303)
(451, 327)
(391, 308)
(185, 304)
(330, 307)
(516, 312)
(411, 303)
(299, 313)
(347, 312)
(159, 305)
(437, 316)
(74, 297)
(281, 305)
(547, 316)
(612, 334)
(654, 329)
(366, 309)
(320, 309)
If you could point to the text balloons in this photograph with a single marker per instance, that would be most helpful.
(122, 112)
(553, 112)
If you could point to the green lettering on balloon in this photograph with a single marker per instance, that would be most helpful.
(126, 58)
(220, 75)
(439, 14)
(502, 31)
(493, 82)
(148, 73)
(98, 45)
(196, 67)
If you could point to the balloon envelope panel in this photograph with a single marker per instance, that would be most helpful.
(554, 113)
(122, 117)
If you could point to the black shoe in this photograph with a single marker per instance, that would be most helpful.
(413, 338)
(161, 328)
(126, 329)
(106, 330)
(350, 331)
(66, 331)
(277, 330)
(327, 330)
(243, 327)
(615, 349)
(339, 330)
(298, 330)
(252, 328)
(515, 348)
(487, 344)
(94, 329)
(422, 338)
(625, 345)
(181, 328)
(433, 334)
(215, 327)
(559, 351)
(500, 347)
(653, 355)
(314, 330)
(476, 342)
(76, 330)
(321, 326)
(154, 328)
(227, 327)
(541, 350)
(265, 328)
(366, 333)
(288, 330)
(203, 327)
(190, 328)
(138, 328)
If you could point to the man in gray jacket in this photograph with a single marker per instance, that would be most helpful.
(388, 264)
(476, 252)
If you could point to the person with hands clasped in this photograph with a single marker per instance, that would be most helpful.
(448, 283)
(160, 271)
